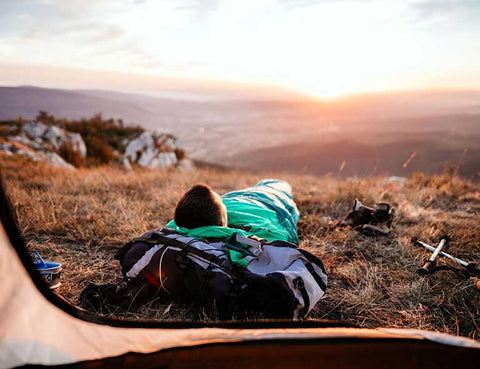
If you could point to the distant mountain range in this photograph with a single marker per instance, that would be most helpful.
(371, 133)
(425, 152)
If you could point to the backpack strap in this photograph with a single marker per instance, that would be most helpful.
(315, 275)
(189, 249)
(300, 284)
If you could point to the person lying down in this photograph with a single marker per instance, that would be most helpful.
(236, 256)
(266, 211)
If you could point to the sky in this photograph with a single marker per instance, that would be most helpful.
(232, 48)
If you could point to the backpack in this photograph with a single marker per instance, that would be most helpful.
(280, 281)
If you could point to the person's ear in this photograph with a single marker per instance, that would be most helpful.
(224, 216)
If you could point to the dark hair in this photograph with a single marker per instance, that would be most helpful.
(198, 207)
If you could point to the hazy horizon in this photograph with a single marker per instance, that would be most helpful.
(240, 93)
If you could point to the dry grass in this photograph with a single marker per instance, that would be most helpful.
(80, 218)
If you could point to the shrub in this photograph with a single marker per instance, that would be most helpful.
(98, 151)
(113, 132)
(44, 117)
(71, 155)
(180, 154)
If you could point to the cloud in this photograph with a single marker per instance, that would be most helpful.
(95, 31)
(199, 10)
(53, 19)
(89, 31)
(453, 12)
(299, 3)
(150, 62)
(457, 13)
(307, 3)
(109, 32)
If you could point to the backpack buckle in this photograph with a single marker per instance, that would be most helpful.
(299, 283)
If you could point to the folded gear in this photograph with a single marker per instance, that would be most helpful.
(371, 221)
(280, 280)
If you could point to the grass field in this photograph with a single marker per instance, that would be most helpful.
(79, 218)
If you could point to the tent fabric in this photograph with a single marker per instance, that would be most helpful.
(267, 209)
(34, 331)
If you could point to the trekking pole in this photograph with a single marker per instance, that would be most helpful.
(470, 267)
(442, 253)
(430, 263)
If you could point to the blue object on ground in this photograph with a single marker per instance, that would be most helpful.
(48, 269)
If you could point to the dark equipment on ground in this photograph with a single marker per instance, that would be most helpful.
(371, 221)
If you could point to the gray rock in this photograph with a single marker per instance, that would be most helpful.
(170, 144)
(34, 129)
(57, 160)
(143, 151)
(163, 160)
(78, 144)
(37, 140)
(186, 165)
(125, 163)
(137, 146)
(7, 147)
(147, 156)
(31, 154)
(26, 141)
(39, 135)
(55, 135)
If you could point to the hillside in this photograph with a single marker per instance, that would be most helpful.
(81, 218)
(349, 157)
(251, 133)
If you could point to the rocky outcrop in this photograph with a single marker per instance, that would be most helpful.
(42, 142)
(17, 147)
(152, 150)
(40, 136)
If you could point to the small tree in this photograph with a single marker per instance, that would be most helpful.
(45, 118)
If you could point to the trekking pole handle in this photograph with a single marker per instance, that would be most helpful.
(430, 263)
(473, 269)
(426, 268)
(439, 248)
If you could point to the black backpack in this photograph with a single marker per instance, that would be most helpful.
(280, 281)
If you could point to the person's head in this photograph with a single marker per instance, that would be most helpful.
(199, 207)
